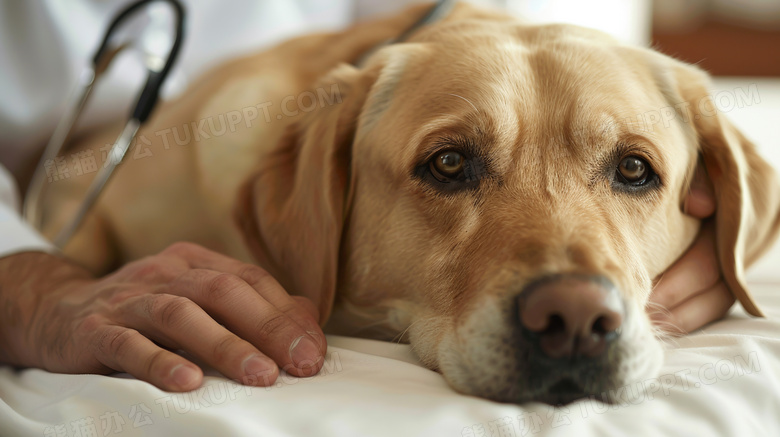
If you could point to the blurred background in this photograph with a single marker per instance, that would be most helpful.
(725, 37)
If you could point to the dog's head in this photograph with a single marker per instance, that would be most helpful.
(505, 195)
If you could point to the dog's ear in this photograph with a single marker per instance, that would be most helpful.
(291, 211)
(746, 189)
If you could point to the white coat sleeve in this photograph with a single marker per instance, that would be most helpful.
(16, 235)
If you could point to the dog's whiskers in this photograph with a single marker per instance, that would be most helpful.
(398, 338)
(663, 329)
(657, 307)
(467, 100)
(668, 332)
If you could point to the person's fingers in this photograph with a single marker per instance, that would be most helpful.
(179, 323)
(697, 311)
(273, 330)
(152, 270)
(265, 284)
(695, 271)
(700, 200)
(251, 303)
(308, 306)
(127, 350)
(267, 287)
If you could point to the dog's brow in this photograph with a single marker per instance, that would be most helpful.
(467, 101)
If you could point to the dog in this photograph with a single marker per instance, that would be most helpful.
(490, 190)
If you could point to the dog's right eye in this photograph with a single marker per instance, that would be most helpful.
(451, 169)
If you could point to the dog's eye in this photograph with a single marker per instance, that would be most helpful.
(452, 170)
(633, 170)
(447, 165)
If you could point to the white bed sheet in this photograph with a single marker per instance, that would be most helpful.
(723, 380)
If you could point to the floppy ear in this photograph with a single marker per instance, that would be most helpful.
(292, 209)
(747, 193)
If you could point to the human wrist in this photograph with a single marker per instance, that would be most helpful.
(32, 284)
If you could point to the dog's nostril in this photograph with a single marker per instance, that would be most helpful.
(555, 325)
(599, 326)
(608, 324)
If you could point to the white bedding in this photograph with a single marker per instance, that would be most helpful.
(723, 380)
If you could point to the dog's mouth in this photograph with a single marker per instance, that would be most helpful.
(563, 392)
(555, 385)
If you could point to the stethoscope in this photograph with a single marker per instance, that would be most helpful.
(109, 48)
(143, 108)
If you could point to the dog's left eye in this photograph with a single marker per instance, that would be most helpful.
(633, 170)
(447, 165)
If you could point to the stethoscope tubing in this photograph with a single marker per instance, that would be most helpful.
(145, 104)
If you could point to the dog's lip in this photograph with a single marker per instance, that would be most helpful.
(562, 392)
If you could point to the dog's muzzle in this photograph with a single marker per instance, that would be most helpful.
(571, 323)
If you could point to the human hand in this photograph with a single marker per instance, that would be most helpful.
(692, 293)
(130, 320)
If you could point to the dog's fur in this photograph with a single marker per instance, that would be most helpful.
(337, 203)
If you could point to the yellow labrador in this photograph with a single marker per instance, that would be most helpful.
(503, 194)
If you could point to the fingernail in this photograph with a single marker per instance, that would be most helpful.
(256, 365)
(184, 376)
(317, 337)
(304, 353)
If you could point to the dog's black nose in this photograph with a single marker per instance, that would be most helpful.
(571, 315)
